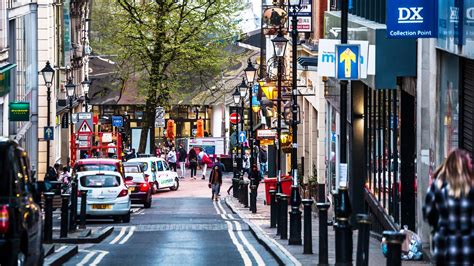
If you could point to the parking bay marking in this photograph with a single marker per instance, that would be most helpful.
(123, 236)
(90, 255)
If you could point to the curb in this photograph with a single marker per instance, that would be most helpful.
(62, 256)
(94, 238)
(283, 256)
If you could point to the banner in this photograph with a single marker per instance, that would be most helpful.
(411, 19)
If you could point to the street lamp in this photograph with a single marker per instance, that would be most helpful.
(70, 88)
(48, 75)
(243, 89)
(85, 87)
(295, 213)
(279, 44)
(236, 179)
(236, 96)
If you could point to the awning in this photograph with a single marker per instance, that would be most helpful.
(5, 78)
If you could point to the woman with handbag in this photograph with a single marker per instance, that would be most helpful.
(193, 162)
(215, 182)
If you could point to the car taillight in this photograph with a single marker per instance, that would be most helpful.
(4, 219)
(123, 193)
(144, 187)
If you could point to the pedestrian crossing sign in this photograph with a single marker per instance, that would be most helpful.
(85, 128)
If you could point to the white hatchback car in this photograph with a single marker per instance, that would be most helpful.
(107, 195)
(158, 170)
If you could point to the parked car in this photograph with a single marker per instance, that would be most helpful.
(107, 195)
(99, 164)
(160, 173)
(138, 184)
(20, 217)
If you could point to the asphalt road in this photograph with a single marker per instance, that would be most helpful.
(181, 230)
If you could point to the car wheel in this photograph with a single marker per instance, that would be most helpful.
(117, 219)
(20, 258)
(147, 204)
(126, 218)
(176, 184)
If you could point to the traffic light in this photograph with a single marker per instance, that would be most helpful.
(170, 129)
(200, 129)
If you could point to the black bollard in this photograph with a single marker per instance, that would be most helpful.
(284, 216)
(394, 241)
(363, 240)
(273, 213)
(253, 197)
(73, 213)
(323, 232)
(241, 189)
(308, 230)
(245, 193)
(235, 187)
(82, 224)
(277, 211)
(64, 214)
(343, 228)
(48, 217)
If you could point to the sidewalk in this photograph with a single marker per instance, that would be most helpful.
(261, 219)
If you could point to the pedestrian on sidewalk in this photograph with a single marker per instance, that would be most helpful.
(193, 162)
(204, 159)
(171, 158)
(65, 179)
(255, 175)
(263, 158)
(449, 209)
(246, 164)
(182, 154)
(215, 182)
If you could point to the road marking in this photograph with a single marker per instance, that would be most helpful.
(240, 248)
(87, 257)
(117, 238)
(100, 257)
(248, 245)
(127, 237)
(60, 248)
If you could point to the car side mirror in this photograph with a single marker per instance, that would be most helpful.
(129, 178)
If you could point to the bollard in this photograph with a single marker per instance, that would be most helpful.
(343, 228)
(82, 223)
(240, 191)
(245, 193)
(73, 213)
(48, 219)
(308, 230)
(273, 213)
(253, 197)
(394, 241)
(235, 187)
(363, 240)
(284, 216)
(64, 214)
(277, 211)
(323, 232)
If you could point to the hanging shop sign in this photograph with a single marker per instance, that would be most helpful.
(19, 111)
(274, 18)
(304, 15)
(411, 19)
(266, 133)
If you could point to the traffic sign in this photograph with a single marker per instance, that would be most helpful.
(160, 122)
(85, 128)
(160, 117)
(117, 121)
(348, 61)
(48, 133)
(242, 137)
(234, 118)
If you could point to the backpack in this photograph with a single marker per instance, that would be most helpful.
(206, 159)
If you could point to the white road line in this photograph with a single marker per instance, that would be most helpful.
(220, 207)
(140, 211)
(240, 248)
(86, 259)
(120, 235)
(100, 257)
(127, 237)
(230, 216)
(255, 254)
(223, 215)
(60, 248)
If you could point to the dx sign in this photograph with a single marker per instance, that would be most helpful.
(410, 15)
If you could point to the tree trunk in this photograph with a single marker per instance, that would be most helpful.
(147, 123)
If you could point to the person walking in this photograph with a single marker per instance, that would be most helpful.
(263, 158)
(204, 159)
(171, 157)
(193, 162)
(246, 164)
(65, 179)
(255, 175)
(215, 182)
(182, 154)
(449, 209)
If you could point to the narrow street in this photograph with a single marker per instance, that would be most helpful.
(181, 228)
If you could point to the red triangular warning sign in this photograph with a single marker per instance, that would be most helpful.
(85, 128)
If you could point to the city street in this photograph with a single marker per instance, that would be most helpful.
(182, 227)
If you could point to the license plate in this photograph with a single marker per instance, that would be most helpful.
(131, 189)
(101, 206)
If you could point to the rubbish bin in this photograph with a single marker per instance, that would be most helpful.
(270, 184)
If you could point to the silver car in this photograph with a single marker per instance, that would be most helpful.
(107, 195)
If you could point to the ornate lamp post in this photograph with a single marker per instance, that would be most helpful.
(70, 90)
(250, 73)
(48, 75)
(85, 87)
(242, 92)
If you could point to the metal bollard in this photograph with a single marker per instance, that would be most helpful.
(284, 216)
(64, 214)
(308, 230)
(235, 187)
(241, 191)
(253, 197)
(343, 228)
(273, 213)
(394, 241)
(363, 240)
(82, 223)
(48, 219)
(245, 195)
(277, 210)
(73, 213)
(323, 232)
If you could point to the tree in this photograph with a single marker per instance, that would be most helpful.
(166, 44)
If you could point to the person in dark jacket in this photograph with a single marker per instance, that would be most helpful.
(193, 162)
(449, 205)
(263, 158)
(215, 182)
(255, 175)
(182, 154)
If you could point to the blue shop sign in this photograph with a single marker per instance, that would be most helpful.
(410, 19)
(117, 121)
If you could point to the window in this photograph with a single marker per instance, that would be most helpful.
(132, 169)
(100, 181)
(97, 167)
(160, 165)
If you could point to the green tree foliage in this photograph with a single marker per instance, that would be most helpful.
(168, 45)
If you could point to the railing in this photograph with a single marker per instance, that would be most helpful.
(381, 220)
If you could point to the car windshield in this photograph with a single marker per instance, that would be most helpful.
(144, 166)
(100, 181)
(97, 167)
(132, 169)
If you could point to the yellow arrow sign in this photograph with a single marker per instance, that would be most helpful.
(347, 57)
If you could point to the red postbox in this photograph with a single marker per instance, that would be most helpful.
(270, 184)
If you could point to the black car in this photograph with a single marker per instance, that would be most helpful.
(20, 216)
(138, 184)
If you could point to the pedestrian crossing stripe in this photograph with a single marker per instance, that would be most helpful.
(85, 128)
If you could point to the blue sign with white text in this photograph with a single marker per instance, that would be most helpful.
(411, 19)
(348, 61)
(117, 121)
